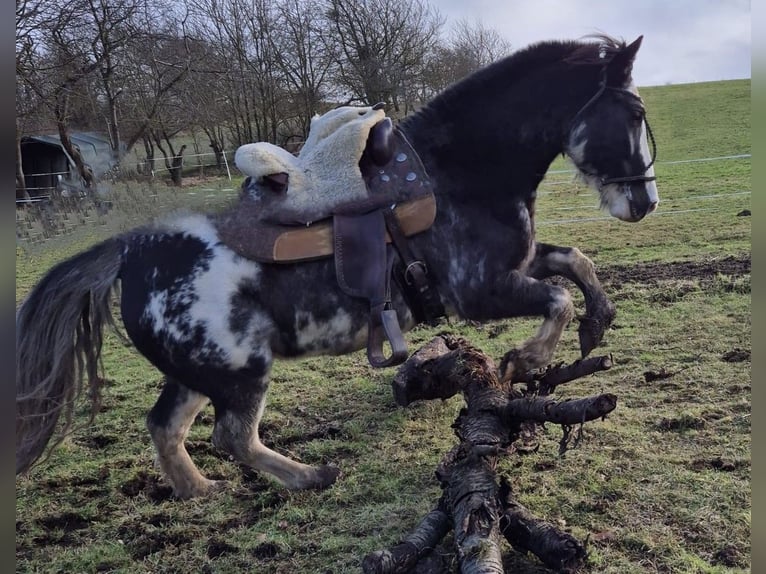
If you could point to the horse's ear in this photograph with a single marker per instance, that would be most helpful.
(619, 69)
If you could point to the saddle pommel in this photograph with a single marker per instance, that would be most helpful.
(380, 142)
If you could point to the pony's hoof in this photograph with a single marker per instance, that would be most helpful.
(201, 488)
(518, 362)
(591, 330)
(326, 475)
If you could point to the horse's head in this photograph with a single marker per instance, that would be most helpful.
(608, 143)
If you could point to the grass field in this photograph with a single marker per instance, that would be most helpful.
(662, 485)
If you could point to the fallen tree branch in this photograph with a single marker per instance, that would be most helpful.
(526, 533)
(494, 417)
(553, 376)
(420, 377)
(422, 540)
(544, 409)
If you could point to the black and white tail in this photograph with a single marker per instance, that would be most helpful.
(58, 345)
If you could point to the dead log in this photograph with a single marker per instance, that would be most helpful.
(418, 543)
(546, 381)
(480, 510)
(544, 409)
(557, 550)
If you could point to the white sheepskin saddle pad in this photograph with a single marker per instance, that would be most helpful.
(324, 174)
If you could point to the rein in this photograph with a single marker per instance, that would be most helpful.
(602, 87)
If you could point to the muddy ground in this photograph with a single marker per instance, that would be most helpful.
(147, 535)
(652, 273)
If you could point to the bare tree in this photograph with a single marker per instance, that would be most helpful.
(71, 53)
(243, 33)
(115, 25)
(305, 58)
(469, 47)
(476, 46)
(27, 23)
(60, 63)
(205, 96)
(382, 45)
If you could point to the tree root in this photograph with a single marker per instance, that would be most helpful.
(473, 504)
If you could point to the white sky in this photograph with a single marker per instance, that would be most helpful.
(684, 40)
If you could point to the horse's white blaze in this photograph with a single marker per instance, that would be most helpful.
(651, 186)
(646, 155)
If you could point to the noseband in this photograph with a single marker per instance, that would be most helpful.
(602, 87)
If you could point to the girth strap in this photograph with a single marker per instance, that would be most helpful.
(419, 292)
(363, 268)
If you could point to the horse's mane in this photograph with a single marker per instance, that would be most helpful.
(589, 50)
(602, 50)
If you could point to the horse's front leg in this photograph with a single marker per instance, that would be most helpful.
(520, 295)
(569, 262)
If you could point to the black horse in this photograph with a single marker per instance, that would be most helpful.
(213, 321)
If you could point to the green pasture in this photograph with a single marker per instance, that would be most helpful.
(661, 485)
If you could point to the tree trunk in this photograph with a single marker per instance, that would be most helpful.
(85, 172)
(495, 416)
(21, 184)
(176, 169)
(149, 149)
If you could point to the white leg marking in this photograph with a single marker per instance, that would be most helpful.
(173, 459)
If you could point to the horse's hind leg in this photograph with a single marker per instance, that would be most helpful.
(169, 422)
(570, 262)
(236, 432)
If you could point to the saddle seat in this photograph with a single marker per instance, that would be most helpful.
(358, 206)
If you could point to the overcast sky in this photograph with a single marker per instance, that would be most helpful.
(684, 40)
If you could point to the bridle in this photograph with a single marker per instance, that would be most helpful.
(602, 87)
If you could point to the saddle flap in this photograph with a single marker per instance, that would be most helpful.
(360, 255)
(363, 269)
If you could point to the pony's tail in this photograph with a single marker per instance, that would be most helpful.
(58, 345)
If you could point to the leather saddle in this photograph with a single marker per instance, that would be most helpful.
(361, 234)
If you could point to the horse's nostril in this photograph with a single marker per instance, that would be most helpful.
(652, 206)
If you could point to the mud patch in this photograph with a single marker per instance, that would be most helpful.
(545, 465)
(259, 494)
(736, 356)
(652, 273)
(152, 542)
(266, 551)
(202, 448)
(97, 441)
(728, 556)
(141, 540)
(61, 529)
(650, 376)
(680, 424)
(68, 521)
(57, 483)
(148, 485)
(217, 547)
(719, 463)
